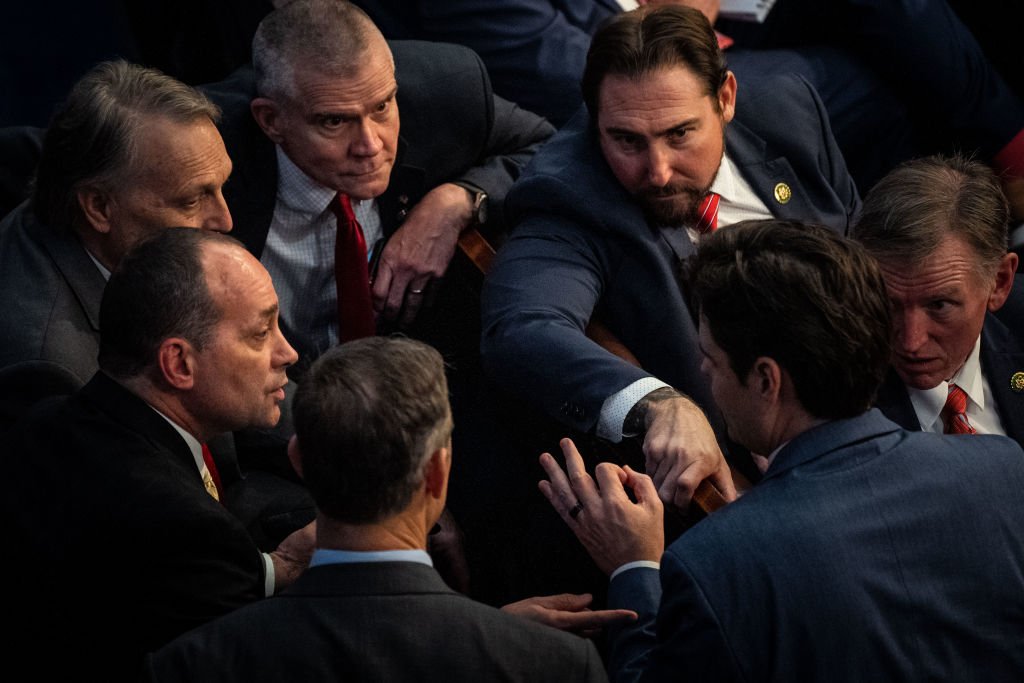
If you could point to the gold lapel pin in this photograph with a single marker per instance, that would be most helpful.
(782, 193)
(1017, 382)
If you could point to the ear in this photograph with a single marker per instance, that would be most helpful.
(1004, 282)
(435, 478)
(294, 456)
(268, 115)
(97, 206)
(727, 97)
(767, 375)
(177, 368)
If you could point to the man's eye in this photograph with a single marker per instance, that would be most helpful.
(677, 135)
(331, 121)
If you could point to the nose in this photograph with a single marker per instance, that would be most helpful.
(910, 330)
(368, 141)
(284, 354)
(659, 171)
(218, 216)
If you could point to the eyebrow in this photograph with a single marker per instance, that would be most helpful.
(615, 130)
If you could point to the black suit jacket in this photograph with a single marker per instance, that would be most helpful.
(113, 525)
(393, 621)
(1002, 356)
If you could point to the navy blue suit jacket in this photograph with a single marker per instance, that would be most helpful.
(582, 246)
(1002, 356)
(867, 553)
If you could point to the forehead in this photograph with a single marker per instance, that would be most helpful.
(362, 87)
(653, 100)
(238, 283)
(952, 267)
(173, 153)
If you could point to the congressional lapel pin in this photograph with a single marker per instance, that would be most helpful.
(1017, 382)
(782, 193)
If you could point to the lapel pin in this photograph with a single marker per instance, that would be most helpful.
(782, 193)
(1017, 382)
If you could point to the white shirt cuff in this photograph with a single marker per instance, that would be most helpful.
(269, 575)
(646, 564)
(617, 406)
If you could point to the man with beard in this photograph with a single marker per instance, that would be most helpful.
(667, 150)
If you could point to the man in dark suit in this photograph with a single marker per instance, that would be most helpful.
(608, 210)
(373, 442)
(318, 124)
(111, 495)
(866, 552)
(130, 151)
(938, 227)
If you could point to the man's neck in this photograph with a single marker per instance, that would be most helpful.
(404, 531)
(169, 406)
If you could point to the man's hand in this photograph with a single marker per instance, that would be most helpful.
(420, 251)
(568, 612)
(680, 448)
(613, 529)
(292, 557)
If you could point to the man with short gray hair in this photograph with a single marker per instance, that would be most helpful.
(131, 151)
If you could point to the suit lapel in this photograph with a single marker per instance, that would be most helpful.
(78, 270)
(405, 189)
(1002, 356)
(771, 177)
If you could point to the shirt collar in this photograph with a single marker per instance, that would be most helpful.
(297, 190)
(928, 403)
(724, 184)
(194, 446)
(331, 556)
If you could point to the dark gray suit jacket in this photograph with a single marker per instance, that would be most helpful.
(867, 553)
(582, 246)
(393, 621)
(1002, 357)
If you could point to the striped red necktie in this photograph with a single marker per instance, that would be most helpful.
(707, 213)
(954, 413)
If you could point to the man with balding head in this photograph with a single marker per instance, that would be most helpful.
(130, 151)
(938, 227)
(113, 499)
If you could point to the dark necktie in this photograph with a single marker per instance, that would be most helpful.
(707, 213)
(351, 275)
(954, 413)
(212, 480)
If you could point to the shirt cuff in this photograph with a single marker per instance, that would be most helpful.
(639, 564)
(268, 575)
(617, 406)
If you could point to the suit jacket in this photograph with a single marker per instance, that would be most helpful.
(112, 522)
(1002, 355)
(582, 246)
(52, 293)
(867, 553)
(394, 621)
(534, 50)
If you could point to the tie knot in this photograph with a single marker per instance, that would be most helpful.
(341, 205)
(707, 213)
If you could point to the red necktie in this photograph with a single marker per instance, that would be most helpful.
(954, 413)
(707, 213)
(351, 275)
(212, 467)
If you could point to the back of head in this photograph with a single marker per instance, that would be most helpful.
(328, 36)
(91, 141)
(634, 43)
(803, 296)
(159, 290)
(367, 418)
(909, 212)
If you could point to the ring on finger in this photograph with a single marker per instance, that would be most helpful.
(576, 509)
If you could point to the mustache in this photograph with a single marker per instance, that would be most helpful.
(672, 191)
